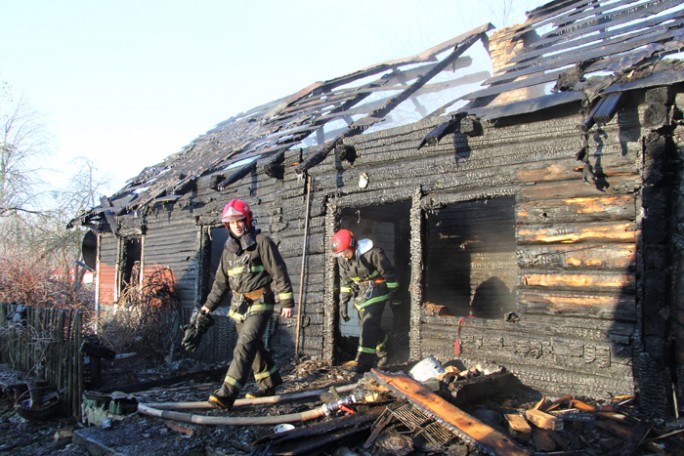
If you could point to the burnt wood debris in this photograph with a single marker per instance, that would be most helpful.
(526, 183)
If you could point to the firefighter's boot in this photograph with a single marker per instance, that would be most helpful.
(270, 391)
(383, 358)
(223, 397)
(355, 367)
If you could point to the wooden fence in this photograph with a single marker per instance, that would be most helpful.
(45, 344)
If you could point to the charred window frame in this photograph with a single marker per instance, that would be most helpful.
(469, 258)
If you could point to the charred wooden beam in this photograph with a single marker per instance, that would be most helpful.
(458, 421)
(236, 176)
(602, 113)
(607, 108)
(274, 167)
(379, 114)
(346, 152)
(436, 134)
(215, 180)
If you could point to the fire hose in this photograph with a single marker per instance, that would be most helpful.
(168, 410)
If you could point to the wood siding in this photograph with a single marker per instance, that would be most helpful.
(574, 264)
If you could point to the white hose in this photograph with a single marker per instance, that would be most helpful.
(166, 410)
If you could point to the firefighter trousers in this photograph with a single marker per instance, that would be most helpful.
(372, 339)
(251, 355)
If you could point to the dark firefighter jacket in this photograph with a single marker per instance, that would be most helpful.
(369, 276)
(250, 263)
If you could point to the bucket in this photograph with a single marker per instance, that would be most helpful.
(426, 369)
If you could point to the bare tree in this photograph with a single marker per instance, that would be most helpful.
(22, 139)
(38, 254)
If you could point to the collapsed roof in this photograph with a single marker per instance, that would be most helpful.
(588, 51)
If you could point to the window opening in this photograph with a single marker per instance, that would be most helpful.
(470, 262)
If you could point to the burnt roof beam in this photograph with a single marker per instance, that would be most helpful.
(377, 115)
(535, 50)
(605, 50)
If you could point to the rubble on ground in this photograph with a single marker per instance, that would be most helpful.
(418, 409)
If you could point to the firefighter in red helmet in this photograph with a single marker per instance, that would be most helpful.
(367, 278)
(253, 270)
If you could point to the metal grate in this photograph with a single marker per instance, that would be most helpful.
(419, 423)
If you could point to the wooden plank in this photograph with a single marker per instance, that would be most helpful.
(543, 420)
(606, 48)
(618, 184)
(518, 427)
(572, 233)
(587, 208)
(539, 48)
(619, 306)
(597, 281)
(449, 415)
(572, 257)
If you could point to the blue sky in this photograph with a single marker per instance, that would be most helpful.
(126, 83)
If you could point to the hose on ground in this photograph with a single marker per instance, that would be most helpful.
(167, 410)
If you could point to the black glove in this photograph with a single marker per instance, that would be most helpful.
(344, 314)
(195, 329)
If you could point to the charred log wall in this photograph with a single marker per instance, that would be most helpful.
(575, 241)
(577, 214)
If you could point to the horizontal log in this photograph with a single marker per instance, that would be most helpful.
(570, 257)
(572, 233)
(570, 169)
(565, 280)
(618, 306)
(619, 184)
(533, 326)
(585, 209)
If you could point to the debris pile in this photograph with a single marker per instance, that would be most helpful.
(436, 409)
(424, 410)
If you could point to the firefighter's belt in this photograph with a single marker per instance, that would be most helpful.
(377, 281)
(257, 294)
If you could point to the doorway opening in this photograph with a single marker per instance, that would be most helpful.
(130, 272)
(387, 225)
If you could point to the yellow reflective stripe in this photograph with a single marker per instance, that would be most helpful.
(263, 375)
(370, 351)
(392, 285)
(261, 307)
(235, 315)
(235, 271)
(346, 289)
(284, 296)
(372, 301)
(381, 344)
(232, 382)
(240, 269)
(374, 274)
(356, 279)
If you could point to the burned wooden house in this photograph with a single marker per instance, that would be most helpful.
(526, 182)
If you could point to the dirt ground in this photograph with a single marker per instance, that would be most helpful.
(132, 433)
(122, 430)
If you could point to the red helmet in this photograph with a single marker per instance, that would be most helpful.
(236, 210)
(342, 240)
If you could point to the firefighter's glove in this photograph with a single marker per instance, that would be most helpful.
(344, 313)
(198, 325)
